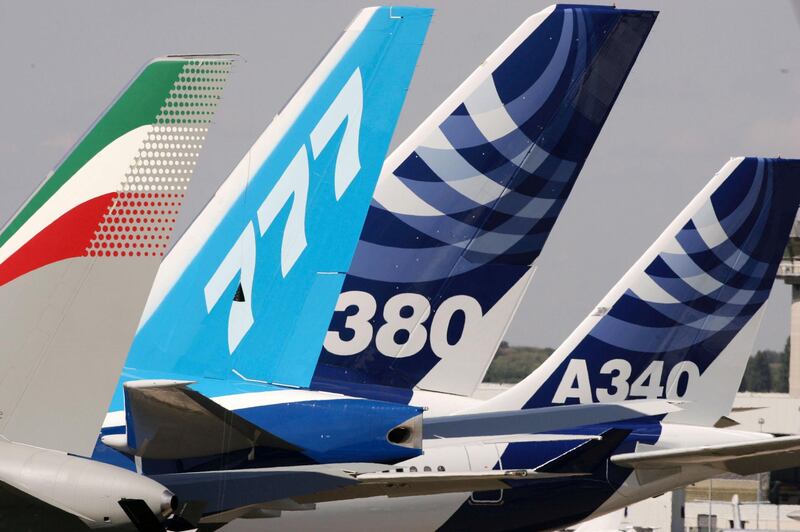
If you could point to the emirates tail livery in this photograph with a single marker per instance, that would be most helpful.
(76, 265)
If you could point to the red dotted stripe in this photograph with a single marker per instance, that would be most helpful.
(137, 224)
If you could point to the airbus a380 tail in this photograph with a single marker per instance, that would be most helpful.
(466, 203)
(76, 265)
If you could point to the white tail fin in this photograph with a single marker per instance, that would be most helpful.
(78, 260)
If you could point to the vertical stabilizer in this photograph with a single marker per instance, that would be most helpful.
(466, 203)
(250, 288)
(681, 323)
(78, 259)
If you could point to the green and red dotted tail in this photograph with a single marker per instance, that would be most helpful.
(118, 192)
(77, 261)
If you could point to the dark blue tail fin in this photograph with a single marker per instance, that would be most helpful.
(681, 323)
(465, 204)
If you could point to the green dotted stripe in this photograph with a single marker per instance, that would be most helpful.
(138, 105)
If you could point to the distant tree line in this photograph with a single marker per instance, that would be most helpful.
(767, 370)
(512, 364)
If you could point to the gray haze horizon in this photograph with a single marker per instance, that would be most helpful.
(715, 80)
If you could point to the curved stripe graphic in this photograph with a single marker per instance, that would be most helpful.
(704, 284)
(465, 205)
(101, 175)
(49, 245)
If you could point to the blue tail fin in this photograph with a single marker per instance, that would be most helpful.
(681, 323)
(466, 203)
(251, 286)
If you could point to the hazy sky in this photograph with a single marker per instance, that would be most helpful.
(715, 80)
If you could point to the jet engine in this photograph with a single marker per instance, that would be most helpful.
(93, 492)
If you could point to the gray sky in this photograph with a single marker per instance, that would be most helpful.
(715, 80)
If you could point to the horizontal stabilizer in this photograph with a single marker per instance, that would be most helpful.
(141, 516)
(546, 419)
(587, 456)
(249, 487)
(270, 489)
(404, 484)
(741, 458)
(725, 422)
(168, 420)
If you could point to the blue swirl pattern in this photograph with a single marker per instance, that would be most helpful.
(482, 190)
(498, 170)
(706, 281)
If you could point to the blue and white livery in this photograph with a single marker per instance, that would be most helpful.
(466, 203)
(686, 314)
(249, 290)
(245, 297)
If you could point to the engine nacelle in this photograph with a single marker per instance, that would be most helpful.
(90, 490)
(345, 429)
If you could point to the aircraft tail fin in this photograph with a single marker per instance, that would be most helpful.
(263, 263)
(681, 323)
(78, 259)
(465, 204)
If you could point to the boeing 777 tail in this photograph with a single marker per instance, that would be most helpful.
(249, 289)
